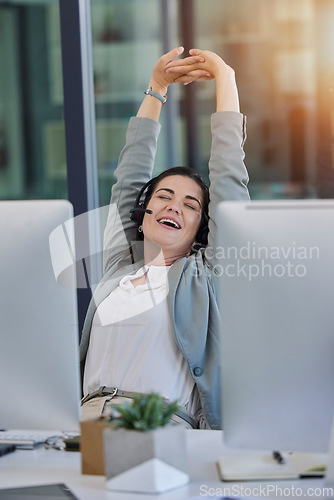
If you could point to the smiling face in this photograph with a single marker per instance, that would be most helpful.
(176, 205)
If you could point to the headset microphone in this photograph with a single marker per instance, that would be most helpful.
(140, 210)
(136, 213)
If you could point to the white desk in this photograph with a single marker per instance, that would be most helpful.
(41, 466)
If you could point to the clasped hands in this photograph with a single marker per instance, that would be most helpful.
(198, 66)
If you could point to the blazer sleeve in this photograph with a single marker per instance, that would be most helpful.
(227, 172)
(135, 167)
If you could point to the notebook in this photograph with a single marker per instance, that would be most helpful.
(263, 467)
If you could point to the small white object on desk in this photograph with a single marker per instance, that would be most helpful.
(152, 476)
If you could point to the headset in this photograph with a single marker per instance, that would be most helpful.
(138, 211)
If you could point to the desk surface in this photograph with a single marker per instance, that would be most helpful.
(43, 466)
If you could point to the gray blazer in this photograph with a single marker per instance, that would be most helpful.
(191, 297)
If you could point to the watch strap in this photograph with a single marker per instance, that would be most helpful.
(162, 98)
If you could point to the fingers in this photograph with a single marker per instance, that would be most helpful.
(195, 52)
(186, 81)
(196, 75)
(184, 68)
(187, 61)
(206, 77)
(177, 51)
(188, 69)
(158, 76)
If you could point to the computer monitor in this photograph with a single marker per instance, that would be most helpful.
(39, 383)
(275, 276)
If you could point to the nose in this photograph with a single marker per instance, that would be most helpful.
(173, 208)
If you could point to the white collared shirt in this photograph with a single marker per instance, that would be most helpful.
(132, 343)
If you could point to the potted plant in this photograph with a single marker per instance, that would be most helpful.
(143, 451)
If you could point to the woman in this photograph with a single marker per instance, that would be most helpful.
(153, 323)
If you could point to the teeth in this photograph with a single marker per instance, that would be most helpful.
(170, 221)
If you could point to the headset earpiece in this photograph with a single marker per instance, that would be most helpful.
(202, 235)
(138, 211)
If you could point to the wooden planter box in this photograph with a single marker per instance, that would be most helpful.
(91, 447)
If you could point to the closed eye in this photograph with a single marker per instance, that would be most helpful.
(188, 197)
(190, 206)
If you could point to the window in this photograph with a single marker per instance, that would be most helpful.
(32, 138)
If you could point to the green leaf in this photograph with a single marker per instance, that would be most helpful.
(147, 412)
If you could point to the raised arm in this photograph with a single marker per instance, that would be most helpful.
(134, 169)
(136, 160)
(227, 171)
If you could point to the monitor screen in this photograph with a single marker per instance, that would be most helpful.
(274, 265)
(39, 386)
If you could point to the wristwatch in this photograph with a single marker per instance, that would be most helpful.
(162, 98)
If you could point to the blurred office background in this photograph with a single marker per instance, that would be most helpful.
(72, 72)
(282, 52)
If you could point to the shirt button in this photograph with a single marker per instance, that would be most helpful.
(198, 371)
